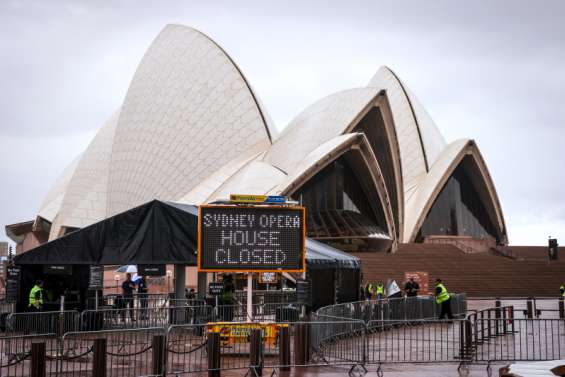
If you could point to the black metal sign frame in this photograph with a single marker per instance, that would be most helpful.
(251, 238)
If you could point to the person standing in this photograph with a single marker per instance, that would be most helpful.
(142, 293)
(361, 293)
(190, 295)
(443, 299)
(36, 297)
(368, 291)
(411, 288)
(127, 296)
(562, 290)
(380, 291)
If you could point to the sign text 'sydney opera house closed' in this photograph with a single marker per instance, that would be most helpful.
(251, 238)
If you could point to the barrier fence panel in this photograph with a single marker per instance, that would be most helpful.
(338, 342)
(266, 297)
(42, 322)
(524, 307)
(186, 349)
(520, 339)
(92, 320)
(15, 353)
(276, 312)
(416, 341)
(403, 308)
(179, 350)
(124, 353)
(484, 329)
(191, 348)
(141, 300)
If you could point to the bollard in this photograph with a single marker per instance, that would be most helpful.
(561, 308)
(307, 342)
(530, 311)
(99, 358)
(301, 344)
(255, 353)
(158, 356)
(38, 360)
(213, 349)
(536, 312)
(468, 340)
(284, 352)
(299, 358)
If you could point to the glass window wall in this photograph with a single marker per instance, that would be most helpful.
(458, 211)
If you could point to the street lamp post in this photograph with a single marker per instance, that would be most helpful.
(169, 275)
(117, 279)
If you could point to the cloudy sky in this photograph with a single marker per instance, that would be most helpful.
(490, 70)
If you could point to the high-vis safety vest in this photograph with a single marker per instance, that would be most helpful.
(381, 290)
(443, 294)
(33, 301)
(562, 290)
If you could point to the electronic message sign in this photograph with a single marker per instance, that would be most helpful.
(248, 239)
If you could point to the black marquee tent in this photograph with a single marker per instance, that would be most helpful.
(153, 233)
(160, 232)
(335, 275)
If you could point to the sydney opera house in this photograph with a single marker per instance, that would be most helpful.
(368, 163)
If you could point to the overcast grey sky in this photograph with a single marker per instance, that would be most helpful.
(489, 70)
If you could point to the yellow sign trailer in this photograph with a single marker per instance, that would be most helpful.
(234, 333)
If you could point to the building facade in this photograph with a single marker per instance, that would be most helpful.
(368, 163)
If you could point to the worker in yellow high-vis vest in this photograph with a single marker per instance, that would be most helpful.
(36, 296)
(443, 299)
(380, 291)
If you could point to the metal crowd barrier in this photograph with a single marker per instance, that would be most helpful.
(520, 339)
(245, 346)
(267, 297)
(178, 350)
(42, 322)
(416, 342)
(401, 309)
(502, 324)
(142, 300)
(125, 353)
(15, 353)
(139, 317)
(162, 299)
(106, 319)
(277, 312)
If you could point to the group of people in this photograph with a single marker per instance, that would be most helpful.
(377, 291)
(373, 291)
(411, 288)
(128, 287)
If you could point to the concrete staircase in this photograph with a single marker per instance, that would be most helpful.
(479, 274)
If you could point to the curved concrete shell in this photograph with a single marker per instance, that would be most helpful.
(192, 130)
(419, 140)
(54, 198)
(443, 168)
(188, 112)
(318, 123)
(84, 202)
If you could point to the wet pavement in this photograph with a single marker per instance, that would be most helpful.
(389, 370)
